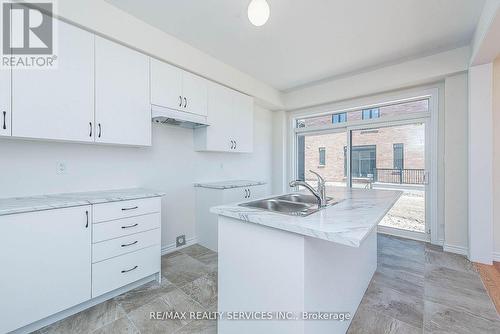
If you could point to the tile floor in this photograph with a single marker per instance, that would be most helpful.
(417, 289)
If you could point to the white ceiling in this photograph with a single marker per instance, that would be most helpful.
(309, 40)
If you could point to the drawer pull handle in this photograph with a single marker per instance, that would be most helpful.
(132, 208)
(126, 271)
(129, 226)
(130, 244)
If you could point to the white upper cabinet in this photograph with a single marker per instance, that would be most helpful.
(122, 106)
(166, 85)
(46, 264)
(231, 122)
(194, 91)
(5, 110)
(176, 89)
(57, 103)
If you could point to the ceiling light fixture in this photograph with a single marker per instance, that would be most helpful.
(258, 12)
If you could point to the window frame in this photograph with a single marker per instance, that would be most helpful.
(321, 149)
(396, 146)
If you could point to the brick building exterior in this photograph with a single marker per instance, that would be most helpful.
(381, 153)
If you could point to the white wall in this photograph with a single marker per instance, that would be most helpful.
(496, 159)
(481, 163)
(406, 74)
(455, 167)
(170, 165)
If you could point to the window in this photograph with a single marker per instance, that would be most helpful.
(398, 156)
(339, 118)
(322, 156)
(371, 113)
(363, 160)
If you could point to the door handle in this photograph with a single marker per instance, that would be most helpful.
(129, 226)
(99, 134)
(130, 244)
(232, 144)
(90, 126)
(185, 102)
(180, 101)
(249, 193)
(127, 270)
(246, 194)
(132, 208)
(4, 120)
(87, 214)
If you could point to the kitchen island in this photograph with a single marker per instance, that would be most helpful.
(287, 265)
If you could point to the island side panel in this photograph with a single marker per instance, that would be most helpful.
(336, 278)
(260, 269)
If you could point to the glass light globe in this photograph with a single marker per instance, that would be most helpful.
(258, 12)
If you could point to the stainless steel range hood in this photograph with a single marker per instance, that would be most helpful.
(178, 118)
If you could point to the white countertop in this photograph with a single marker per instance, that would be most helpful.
(56, 201)
(348, 222)
(229, 184)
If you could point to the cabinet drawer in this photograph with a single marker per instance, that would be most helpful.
(111, 248)
(116, 210)
(119, 271)
(127, 226)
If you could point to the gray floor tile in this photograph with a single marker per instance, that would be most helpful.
(203, 290)
(199, 327)
(366, 321)
(477, 303)
(412, 265)
(88, 320)
(133, 299)
(182, 269)
(458, 279)
(196, 250)
(210, 259)
(178, 301)
(142, 320)
(448, 260)
(120, 326)
(401, 281)
(394, 304)
(443, 319)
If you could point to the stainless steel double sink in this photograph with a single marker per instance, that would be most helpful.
(295, 204)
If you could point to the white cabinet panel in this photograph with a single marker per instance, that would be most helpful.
(194, 90)
(58, 103)
(243, 122)
(46, 264)
(122, 106)
(123, 209)
(231, 122)
(5, 110)
(166, 85)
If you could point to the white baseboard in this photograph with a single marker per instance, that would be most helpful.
(456, 249)
(403, 233)
(171, 247)
(496, 256)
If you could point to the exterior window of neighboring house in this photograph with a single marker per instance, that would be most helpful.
(398, 156)
(363, 160)
(371, 113)
(322, 156)
(339, 118)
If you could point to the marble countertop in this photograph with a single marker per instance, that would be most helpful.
(229, 184)
(349, 222)
(14, 205)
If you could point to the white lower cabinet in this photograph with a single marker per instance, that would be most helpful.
(57, 259)
(206, 222)
(45, 258)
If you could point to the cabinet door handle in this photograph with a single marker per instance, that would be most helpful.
(90, 126)
(87, 214)
(129, 226)
(99, 126)
(132, 208)
(4, 120)
(180, 101)
(235, 144)
(185, 102)
(130, 244)
(249, 193)
(245, 193)
(127, 270)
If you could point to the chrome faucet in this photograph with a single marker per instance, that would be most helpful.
(319, 193)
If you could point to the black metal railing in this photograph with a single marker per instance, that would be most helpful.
(401, 176)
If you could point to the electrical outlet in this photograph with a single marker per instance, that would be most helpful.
(61, 167)
(180, 241)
